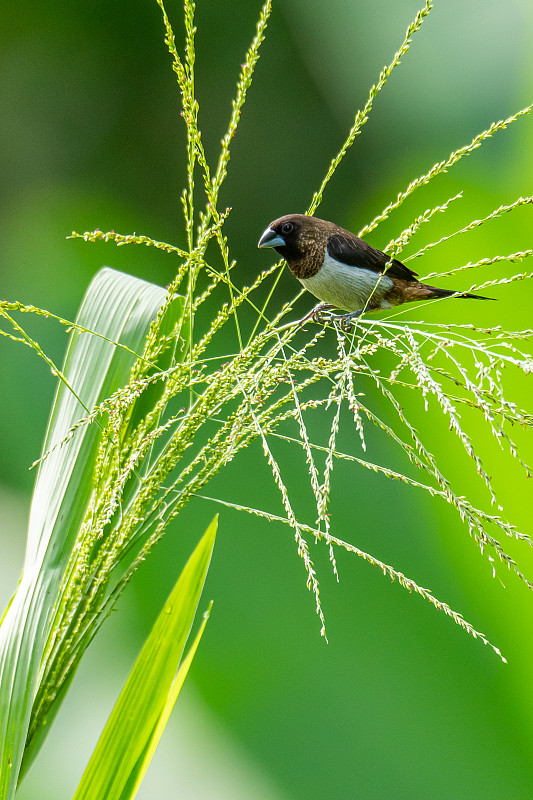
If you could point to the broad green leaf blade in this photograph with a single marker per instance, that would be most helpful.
(119, 308)
(175, 689)
(128, 740)
(134, 782)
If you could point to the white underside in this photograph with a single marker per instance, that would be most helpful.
(346, 287)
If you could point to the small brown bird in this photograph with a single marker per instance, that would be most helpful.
(343, 271)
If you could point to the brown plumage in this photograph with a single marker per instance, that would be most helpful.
(343, 271)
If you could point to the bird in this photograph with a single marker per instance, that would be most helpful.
(343, 271)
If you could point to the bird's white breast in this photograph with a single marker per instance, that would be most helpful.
(346, 287)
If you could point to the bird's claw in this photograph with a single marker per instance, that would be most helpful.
(318, 315)
(346, 321)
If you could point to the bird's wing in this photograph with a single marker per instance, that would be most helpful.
(356, 253)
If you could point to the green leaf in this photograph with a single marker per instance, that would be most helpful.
(117, 308)
(133, 730)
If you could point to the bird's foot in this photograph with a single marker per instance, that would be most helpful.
(346, 320)
(317, 314)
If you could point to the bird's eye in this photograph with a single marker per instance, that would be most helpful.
(287, 227)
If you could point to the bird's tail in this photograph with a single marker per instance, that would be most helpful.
(434, 291)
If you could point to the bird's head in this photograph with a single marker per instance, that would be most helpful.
(288, 235)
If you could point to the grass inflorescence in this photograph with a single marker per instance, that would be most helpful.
(208, 407)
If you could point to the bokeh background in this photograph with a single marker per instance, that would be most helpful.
(401, 703)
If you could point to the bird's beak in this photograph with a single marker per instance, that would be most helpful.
(271, 239)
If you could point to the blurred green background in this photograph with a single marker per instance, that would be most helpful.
(401, 703)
